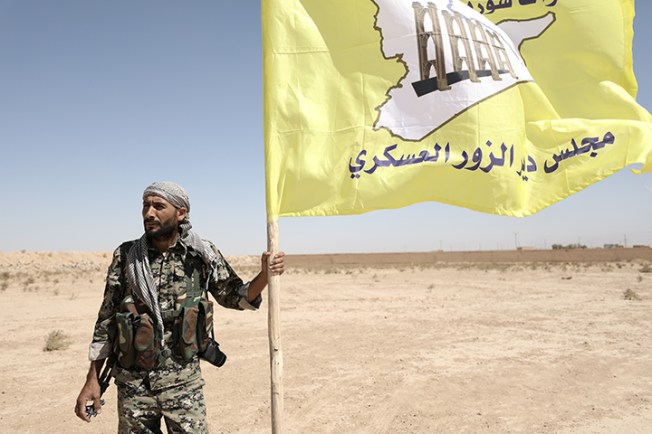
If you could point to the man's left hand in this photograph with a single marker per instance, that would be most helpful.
(275, 265)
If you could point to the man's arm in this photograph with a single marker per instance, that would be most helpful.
(229, 290)
(90, 391)
(101, 346)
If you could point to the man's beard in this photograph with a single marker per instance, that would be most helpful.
(163, 232)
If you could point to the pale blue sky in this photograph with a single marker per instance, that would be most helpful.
(99, 98)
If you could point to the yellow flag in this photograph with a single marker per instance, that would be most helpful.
(501, 106)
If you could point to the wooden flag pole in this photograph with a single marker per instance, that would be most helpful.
(274, 330)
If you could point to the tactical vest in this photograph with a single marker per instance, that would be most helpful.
(136, 344)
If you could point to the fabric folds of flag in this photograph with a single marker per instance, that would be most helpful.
(500, 107)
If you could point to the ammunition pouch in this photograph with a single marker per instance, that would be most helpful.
(191, 321)
(136, 343)
(145, 342)
(191, 330)
(125, 340)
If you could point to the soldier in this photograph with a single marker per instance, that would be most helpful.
(155, 318)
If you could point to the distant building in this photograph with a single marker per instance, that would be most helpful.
(613, 246)
(568, 246)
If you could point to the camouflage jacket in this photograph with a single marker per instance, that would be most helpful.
(169, 272)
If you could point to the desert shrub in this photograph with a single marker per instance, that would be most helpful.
(28, 283)
(628, 294)
(647, 268)
(56, 340)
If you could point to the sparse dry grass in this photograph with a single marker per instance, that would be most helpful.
(28, 284)
(56, 340)
(5, 276)
(631, 295)
(646, 268)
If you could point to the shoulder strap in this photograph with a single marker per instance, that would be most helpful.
(124, 253)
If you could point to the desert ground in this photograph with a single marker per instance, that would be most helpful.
(555, 342)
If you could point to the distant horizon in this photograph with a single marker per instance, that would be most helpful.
(518, 249)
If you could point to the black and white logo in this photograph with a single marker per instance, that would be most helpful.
(454, 58)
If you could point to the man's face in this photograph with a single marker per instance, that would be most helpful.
(160, 218)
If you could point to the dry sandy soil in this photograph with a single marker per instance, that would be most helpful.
(370, 346)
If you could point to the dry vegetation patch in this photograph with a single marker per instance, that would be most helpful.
(630, 294)
(56, 340)
(646, 268)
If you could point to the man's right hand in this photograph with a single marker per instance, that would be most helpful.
(90, 393)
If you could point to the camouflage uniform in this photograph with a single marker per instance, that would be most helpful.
(174, 390)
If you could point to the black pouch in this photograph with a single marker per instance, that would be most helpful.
(204, 324)
(213, 354)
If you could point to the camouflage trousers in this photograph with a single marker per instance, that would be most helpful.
(182, 406)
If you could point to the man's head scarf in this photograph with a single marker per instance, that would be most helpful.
(170, 191)
(139, 273)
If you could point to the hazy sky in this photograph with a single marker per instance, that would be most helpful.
(100, 98)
